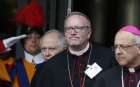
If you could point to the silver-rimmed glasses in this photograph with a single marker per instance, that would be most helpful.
(76, 28)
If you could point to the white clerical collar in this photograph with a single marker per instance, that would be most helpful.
(78, 53)
(36, 59)
(131, 70)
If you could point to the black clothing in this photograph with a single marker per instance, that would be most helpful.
(55, 72)
(4, 83)
(113, 78)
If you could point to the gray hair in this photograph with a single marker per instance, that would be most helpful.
(63, 43)
(80, 14)
(137, 39)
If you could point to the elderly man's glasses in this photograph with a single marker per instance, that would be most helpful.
(124, 46)
(77, 28)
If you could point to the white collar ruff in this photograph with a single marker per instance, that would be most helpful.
(36, 59)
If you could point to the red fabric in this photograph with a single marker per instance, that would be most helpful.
(20, 16)
(2, 47)
(131, 79)
(31, 15)
(77, 73)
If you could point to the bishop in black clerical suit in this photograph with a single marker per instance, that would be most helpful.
(118, 76)
(127, 51)
(67, 69)
(57, 73)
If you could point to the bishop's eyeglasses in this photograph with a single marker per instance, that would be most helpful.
(76, 28)
(123, 46)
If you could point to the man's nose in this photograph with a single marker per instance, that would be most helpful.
(118, 50)
(73, 32)
(33, 40)
(47, 53)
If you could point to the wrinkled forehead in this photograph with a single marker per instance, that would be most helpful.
(52, 39)
(123, 37)
(53, 36)
(50, 43)
(77, 20)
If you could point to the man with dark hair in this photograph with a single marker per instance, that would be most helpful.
(73, 66)
(32, 57)
(19, 72)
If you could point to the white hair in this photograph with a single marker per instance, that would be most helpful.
(63, 43)
(137, 39)
(79, 14)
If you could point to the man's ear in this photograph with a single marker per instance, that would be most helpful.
(90, 34)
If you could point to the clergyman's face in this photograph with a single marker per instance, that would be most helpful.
(50, 45)
(126, 50)
(77, 30)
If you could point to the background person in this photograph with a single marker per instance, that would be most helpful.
(52, 43)
(7, 59)
(127, 51)
(32, 57)
(19, 72)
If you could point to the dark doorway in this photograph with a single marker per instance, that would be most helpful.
(107, 16)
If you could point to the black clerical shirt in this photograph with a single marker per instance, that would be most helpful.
(78, 65)
(131, 78)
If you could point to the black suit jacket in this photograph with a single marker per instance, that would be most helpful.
(55, 71)
(110, 78)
